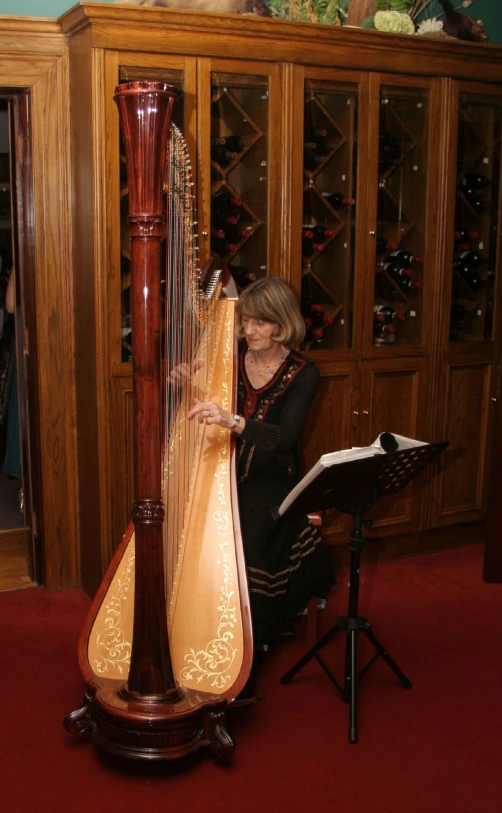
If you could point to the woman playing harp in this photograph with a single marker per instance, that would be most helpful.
(286, 561)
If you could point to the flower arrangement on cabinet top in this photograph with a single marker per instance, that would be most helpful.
(433, 18)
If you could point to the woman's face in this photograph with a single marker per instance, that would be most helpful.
(258, 332)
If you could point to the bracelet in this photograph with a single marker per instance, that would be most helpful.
(237, 420)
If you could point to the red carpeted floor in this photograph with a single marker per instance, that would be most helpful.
(435, 748)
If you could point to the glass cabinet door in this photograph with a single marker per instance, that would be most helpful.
(403, 147)
(476, 218)
(239, 134)
(328, 217)
(131, 74)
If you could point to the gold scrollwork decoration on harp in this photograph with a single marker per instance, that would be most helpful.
(111, 642)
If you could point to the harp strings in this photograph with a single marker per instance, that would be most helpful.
(187, 347)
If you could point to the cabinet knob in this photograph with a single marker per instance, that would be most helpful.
(494, 399)
(355, 412)
(372, 233)
(365, 412)
(204, 233)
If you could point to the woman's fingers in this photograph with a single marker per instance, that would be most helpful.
(206, 410)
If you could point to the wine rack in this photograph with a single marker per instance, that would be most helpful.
(401, 206)
(477, 195)
(328, 218)
(131, 74)
(239, 173)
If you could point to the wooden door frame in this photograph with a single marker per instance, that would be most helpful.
(34, 61)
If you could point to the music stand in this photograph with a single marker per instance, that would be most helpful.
(353, 487)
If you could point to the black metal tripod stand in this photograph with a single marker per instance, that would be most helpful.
(351, 624)
(352, 487)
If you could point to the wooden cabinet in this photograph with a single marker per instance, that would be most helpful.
(346, 178)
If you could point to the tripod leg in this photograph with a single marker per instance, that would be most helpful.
(403, 680)
(286, 678)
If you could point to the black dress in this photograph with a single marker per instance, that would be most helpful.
(286, 560)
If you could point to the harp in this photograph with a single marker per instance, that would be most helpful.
(167, 643)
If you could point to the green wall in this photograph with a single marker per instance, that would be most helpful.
(488, 10)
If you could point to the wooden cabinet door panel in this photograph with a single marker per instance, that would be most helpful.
(459, 492)
(330, 427)
(392, 401)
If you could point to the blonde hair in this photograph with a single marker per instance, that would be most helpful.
(270, 299)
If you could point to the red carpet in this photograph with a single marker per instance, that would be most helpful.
(435, 748)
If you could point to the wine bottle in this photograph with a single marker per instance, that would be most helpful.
(474, 180)
(234, 235)
(468, 272)
(236, 143)
(321, 233)
(308, 332)
(402, 258)
(458, 320)
(398, 271)
(224, 201)
(382, 245)
(473, 258)
(306, 305)
(458, 312)
(317, 132)
(318, 316)
(463, 233)
(311, 160)
(387, 314)
(389, 151)
(474, 199)
(223, 248)
(223, 219)
(223, 156)
(337, 199)
(310, 247)
(385, 332)
(242, 275)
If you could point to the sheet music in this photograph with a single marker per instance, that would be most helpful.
(386, 439)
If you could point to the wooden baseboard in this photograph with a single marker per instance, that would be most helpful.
(396, 547)
(13, 560)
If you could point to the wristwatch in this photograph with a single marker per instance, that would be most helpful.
(237, 419)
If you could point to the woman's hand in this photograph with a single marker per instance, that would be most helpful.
(182, 374)
(211, 413)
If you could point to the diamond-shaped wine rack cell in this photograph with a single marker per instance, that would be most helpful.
(397, 282)
(238, 155)
(328, 217)
(473, 268)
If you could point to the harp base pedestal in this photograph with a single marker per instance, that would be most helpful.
(151, 731)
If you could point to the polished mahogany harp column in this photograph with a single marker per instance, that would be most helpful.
(145, 115)
(144, 713)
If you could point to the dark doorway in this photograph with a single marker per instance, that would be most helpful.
(20, 562)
